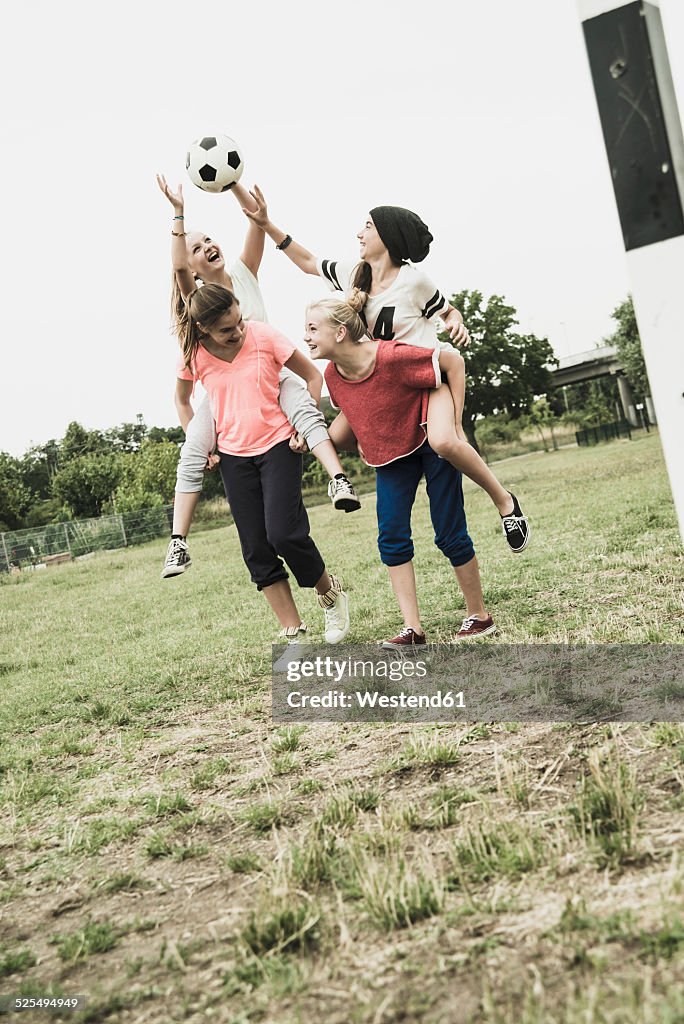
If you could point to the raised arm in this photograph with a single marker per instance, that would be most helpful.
(253, 249)
(258, 214)
(179, 253)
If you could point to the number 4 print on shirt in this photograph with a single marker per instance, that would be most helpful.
(384, 325)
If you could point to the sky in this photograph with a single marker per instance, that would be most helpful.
(480, 116)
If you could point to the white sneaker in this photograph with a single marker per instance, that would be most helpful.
(335, 605)
(177, 558)
(343, 495)
(294, 649)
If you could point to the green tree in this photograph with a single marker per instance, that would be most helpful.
(78, 441)
(38, 466)
(127, 437)
(15, 497)
(175, 434)
(505, 371)
(541, 415)
(86, 483)
(598, 406)
(148, 476)
(628, 343)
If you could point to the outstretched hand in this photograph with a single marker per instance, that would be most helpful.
(175, 198)
(260, 215)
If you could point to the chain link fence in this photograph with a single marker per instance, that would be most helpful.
(41, 546)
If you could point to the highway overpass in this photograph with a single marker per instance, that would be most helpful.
(600, 362)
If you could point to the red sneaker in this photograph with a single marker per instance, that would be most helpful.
(472, 628)
(407, 637)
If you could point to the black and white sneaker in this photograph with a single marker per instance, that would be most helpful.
(343, 495)
(177, 558)
(516, 528)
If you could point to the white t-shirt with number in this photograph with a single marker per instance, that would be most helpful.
(407, 311)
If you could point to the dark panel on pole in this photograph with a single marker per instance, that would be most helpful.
(634, 129)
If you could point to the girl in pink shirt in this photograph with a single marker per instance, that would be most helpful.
(238, 364)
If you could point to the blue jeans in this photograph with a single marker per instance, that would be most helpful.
(396, 486)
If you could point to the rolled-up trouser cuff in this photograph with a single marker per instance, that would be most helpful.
(395, 558)
(461, 557)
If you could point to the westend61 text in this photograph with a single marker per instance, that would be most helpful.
(373, 699)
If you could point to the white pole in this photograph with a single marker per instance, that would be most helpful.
(123, 531)
(655, 269)
(66, 537)
(4, 548)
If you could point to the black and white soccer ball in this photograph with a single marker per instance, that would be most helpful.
(214, 163)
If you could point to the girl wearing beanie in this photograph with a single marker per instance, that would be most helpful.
(400, 303)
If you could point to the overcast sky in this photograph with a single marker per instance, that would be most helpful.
(478, 115)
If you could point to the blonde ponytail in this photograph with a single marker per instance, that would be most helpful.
(346, 314)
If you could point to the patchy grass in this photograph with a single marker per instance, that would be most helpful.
(168, 851)
(395, 891)
(289, 923)
(94, 938)
(608, 806)
(497, 850)
(15, 961)
(243, 863)
(262, 817)
(429, 750)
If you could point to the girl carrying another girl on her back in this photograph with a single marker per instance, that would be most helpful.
(402, 304)
(383, 390)
(238, 363)
(197, 257)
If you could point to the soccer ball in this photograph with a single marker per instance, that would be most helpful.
(214, 163)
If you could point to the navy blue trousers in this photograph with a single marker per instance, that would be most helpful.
(396, 488)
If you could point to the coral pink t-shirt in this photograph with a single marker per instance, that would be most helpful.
(387, 410)
(244, 394)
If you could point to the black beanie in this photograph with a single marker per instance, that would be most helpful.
(403, 232)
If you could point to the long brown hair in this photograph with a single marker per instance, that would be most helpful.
(363, 275)
(204, 306)
(179, 312)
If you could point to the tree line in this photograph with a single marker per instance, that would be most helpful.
(88, 473)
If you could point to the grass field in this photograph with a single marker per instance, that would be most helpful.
(169, 853)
